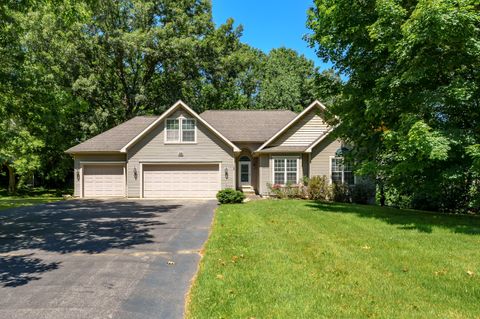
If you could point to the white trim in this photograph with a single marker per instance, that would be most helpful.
(177, 163)
(249, 163)
(180, 120)
(166, 114)
(82, 172)
(316, 103)
(102, 162)
(272, 159)
(321, 138)
(343, 171)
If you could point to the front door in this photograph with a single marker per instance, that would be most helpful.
(244, 173)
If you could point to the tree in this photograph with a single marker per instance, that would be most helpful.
(412, 102)
(287, 80)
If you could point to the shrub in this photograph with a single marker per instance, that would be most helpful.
(363, 192)
(230, 196)
(318, 188)
(341, 193)
(287, 191)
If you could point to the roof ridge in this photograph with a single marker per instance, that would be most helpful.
(246, 110)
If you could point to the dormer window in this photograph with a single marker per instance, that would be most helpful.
(180, 130)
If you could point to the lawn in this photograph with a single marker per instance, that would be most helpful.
(32, 197)
(301, 259)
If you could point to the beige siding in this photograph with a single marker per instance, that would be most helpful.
(320, 156)
(304, 132)
(266, 167)
(264, 174)
(152, 148)
(85, 158)
(305, 165)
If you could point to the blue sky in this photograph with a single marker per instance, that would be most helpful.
(269, 24)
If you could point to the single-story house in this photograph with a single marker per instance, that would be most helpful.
(182, 154)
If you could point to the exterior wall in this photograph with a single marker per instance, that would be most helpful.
(320, 156)
(304, 132)
(152, 148)
(264, 175)
(266, 170)
(85, 158)
(305, 165)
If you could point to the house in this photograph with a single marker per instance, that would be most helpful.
(182, 154)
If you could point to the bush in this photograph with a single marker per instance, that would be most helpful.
(341, 193)
(230, 196)
(318, 188)
(363, 193)
(287, 191)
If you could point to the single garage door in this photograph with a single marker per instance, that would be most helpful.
(181, 181)
(103, 181)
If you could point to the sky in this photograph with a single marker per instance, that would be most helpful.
(269, 24)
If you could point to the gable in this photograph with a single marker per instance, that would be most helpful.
(304, 132)
(208, 146)
(167, 114)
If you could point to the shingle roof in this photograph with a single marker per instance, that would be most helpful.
(248, 125)
(114, 139)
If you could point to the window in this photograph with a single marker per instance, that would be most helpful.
(181, 130)
(188, 130)
(285, 170)
(342, 171)
(173, 132)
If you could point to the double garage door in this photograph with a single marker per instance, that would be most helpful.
(181, 181)
(159, 181)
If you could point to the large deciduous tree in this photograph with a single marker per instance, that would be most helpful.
(412, 101)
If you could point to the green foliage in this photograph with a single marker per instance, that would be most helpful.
(362, 192)
(288, 190)
(318, 188)
(341, 193)
(230, 196)
(70, 70)
(411, 102)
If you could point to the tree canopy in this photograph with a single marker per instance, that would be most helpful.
(411, 105)
(72, 69)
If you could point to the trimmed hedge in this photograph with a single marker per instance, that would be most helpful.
(230, 196)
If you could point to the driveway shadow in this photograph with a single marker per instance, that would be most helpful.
(87, 226)
(421, 221)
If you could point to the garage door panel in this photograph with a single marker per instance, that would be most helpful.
(103, 180)
(174, 181)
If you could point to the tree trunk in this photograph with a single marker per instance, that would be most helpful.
(11, 180)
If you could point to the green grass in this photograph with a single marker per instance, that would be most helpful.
(301, 259)
(28, 198)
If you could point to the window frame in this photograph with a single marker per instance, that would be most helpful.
(285, 169)
(342, 171)
(180, 130)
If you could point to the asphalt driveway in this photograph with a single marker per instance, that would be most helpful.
(100, 259)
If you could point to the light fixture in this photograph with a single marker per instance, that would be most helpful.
(226, 173)
(135, 174)
(180, 154)
(78, 175)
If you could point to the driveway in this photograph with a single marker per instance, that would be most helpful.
(100, 259)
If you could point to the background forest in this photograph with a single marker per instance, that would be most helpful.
(410, 102)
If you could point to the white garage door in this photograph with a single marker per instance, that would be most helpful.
(103, 181)
(181, 181)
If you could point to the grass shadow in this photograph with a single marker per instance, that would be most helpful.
(420, 221)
